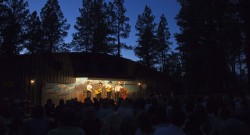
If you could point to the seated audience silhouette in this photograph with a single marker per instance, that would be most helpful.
(67, 119)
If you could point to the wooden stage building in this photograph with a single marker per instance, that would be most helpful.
(64, 75)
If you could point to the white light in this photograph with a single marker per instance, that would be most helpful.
(32, 81)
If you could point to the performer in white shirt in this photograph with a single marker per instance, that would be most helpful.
(117, 90)
(89, 90)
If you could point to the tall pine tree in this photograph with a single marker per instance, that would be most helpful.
(54, 25)
(82, 39)
(206, 42)
(93, 30)
(163, 43)
(100, 28)
(146, 48)
(3, 23)
(110, 22)
(244, 13)
(13, 17)
(122, 27)
(35, 41)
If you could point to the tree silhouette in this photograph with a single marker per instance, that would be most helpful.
(146, 49)
(82, 39)
(163, 43)
(244, 13)
(93, 30)
(121, 26)
(35, 41)
(208, 38)
(13, 24)
(54, 25)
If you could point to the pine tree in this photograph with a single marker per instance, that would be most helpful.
(174, 65)
(13, 17)
(35, 41)
(111, 29)
(122, 27)
(245, 16)
(82, 39)
(65, 47)
(207, 40)
(163, 43)
(93, 30)
(100, 28)
(146, 48)
(3, 22)
(54, 25)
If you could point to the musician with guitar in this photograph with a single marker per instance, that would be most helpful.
(109, 89)
(98, 91)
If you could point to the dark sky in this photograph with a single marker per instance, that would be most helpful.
(169, 8)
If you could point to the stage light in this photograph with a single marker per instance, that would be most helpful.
(32, 81)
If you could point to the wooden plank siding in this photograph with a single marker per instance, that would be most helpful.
(16, 72)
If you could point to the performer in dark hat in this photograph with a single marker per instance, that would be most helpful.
(109, 89)
(98, 91)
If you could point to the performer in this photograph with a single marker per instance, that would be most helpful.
(123, 93)
(89, 90)
(117, 90)
(109, 89)
(98, 91)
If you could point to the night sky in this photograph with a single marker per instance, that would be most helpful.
(70, 9)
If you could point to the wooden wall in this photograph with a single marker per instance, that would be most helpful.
(17, 72)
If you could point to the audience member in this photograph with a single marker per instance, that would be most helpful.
(67, 120)
(158, 115)
(128, 125)
(38, 124)
(144, 123)
(49, 108)
(91, 124)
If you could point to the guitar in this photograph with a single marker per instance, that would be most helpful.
(109, 88)
(98, 91)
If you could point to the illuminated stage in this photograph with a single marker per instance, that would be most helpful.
(65, 76)
(79, 89)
